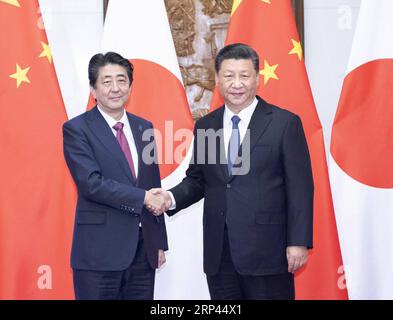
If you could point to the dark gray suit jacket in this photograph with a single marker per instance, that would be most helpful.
(266, 209)
(110, 202)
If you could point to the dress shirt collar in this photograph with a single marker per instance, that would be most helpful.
(244, 115)
(111, 122)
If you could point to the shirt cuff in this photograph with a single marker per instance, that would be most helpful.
(173, 206)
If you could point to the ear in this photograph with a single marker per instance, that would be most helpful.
(93, 92)
(257, 78)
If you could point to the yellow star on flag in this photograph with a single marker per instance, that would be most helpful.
(20, 75)
(46, 52)
(12, 2)
(269, 72)
(235, 5)
(297, 49)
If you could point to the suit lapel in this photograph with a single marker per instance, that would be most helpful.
(259, 122)
(137, 131)
(102, 131)
(221, 157)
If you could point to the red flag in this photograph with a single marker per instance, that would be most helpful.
(37, 196)
(269, 27)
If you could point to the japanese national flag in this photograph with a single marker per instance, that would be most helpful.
(362, 156)
(139, 31)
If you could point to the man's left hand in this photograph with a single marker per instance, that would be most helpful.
(297, 258)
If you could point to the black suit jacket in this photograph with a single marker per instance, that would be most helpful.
(110, 202)
(266, 208)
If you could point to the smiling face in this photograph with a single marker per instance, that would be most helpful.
(112, 89)
(237, 82)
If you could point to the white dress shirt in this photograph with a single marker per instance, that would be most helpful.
(245, 117)
(127, 132)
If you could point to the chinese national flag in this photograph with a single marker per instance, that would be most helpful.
(269, 27)
(37, 196)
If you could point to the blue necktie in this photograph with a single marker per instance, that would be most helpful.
(234, 143)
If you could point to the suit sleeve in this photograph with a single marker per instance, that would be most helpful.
(157, 184)
(192, 188)
(299, 185)
(156, 229)
(89, 179)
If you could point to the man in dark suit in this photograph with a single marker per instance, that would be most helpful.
(117, 243)
(257, 184)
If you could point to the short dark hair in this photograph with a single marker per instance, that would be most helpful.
(237, 51)
(101, 60)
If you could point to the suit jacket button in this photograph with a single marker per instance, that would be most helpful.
(228, 186)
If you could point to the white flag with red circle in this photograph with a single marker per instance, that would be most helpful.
(140, 31)
(362, 156)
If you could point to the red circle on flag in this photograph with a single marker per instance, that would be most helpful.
(362, 135)
(157, 95)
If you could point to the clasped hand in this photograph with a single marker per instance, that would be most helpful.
(157, 201)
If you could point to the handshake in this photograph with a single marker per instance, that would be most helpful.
(157, 201)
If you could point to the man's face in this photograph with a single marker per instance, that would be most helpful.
(237, 82)
(112, 88)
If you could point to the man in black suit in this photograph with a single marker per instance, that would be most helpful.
(117, 243)
(257, 184)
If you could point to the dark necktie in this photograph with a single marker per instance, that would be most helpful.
(121, 138)
(234, 143)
